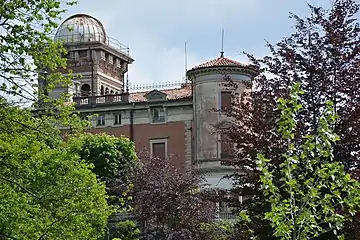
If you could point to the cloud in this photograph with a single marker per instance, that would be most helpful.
(157, 30)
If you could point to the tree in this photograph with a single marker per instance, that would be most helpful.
(323, 54)
(169, 202)
(27, 47)
(29, 58)
(313, 195)
(45, 191)
(113, 160)
(218, 230)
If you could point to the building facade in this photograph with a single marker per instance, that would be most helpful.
(176, 123)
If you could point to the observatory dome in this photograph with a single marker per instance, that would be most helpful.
(81, 28)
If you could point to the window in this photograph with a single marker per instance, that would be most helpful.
(226, 147)
(158, 115)
(101, 120)
(118, 62)
(102, 55)
(84, 117)
(117, 119)
(158, 149)
(226, 99)
(83, 54)
(224, 211)
(111, 61)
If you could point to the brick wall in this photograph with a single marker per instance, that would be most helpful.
(178, 137)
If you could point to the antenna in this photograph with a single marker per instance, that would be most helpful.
(185, 59)
(222, 43)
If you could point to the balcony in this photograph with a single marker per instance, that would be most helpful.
(226, 215)
(99, 100)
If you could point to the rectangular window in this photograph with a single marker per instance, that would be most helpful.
(71, 56)
(226, 147)
(102, 55)
(226, 99)
(111, 61)
(84, 117)
(117, 119)
(118, 62)
(158, 115)
(101, 120)
(158, 149)
(76, 55)
(224, 211)
(83, 53)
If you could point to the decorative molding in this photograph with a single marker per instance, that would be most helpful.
(155, 96)
(164, 140)
(248, 71)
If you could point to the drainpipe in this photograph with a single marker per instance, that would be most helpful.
(132, 123)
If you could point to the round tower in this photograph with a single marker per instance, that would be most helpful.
(210, 94)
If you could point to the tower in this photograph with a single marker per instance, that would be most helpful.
(210, 93)
(98, 62)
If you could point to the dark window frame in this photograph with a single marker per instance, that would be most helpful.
(156, 116)
(100, 120)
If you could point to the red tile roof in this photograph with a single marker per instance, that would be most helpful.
(172, 94)
(220, 62)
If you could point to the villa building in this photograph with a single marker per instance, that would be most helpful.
(172, 121)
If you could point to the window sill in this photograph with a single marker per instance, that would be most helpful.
(157, 122)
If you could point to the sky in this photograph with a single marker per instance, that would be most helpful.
(156, 30)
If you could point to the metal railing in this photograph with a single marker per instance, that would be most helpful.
(226, 215)
(94, 38)
(158, 85)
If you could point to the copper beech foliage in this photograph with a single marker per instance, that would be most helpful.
(323, 55)
(168, 201)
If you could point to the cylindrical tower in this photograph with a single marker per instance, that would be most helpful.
(210, 93)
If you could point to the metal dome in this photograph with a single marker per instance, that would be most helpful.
(81, 28)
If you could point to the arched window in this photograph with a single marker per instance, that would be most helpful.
(85, 90)
(102, 90)
(112, 92)
(106, 91)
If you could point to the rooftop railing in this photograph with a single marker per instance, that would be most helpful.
(98, 100)
(94, 38)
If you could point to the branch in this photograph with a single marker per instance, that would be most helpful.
(52, 224)
(7, 236)
(17, 184)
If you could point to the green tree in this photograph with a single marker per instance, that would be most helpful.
(217, 230)
(113, 160)
(27, 46)
(112, 157)
(45, 191)
(29, 57)
(313, 194)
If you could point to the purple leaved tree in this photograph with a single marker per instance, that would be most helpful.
(168, 201)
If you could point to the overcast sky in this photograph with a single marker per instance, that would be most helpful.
(156, 30)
